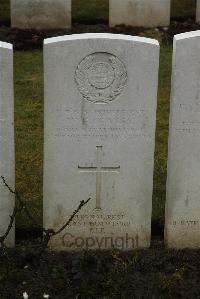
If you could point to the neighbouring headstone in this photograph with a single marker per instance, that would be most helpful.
(139, 13)
(41, 14)
(198, 12)
(182, 228)
(100, 115)
(7, 164)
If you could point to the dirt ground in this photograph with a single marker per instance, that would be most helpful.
(31, 39)
(153, 273)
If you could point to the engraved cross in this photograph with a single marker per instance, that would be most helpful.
(99, 170)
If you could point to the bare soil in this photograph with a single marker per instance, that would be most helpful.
(32, 39)
(152, 273)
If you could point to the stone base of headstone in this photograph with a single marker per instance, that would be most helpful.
(7, 164)
(100, 115)
(41, 14)
(140, 13)
(182, 225)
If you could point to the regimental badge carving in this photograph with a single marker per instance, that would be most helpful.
(101, 77)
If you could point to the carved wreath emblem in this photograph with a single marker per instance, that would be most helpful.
(100, 77)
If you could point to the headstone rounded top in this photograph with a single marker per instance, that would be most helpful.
(6, 45)
(187, 35)
(94, 36)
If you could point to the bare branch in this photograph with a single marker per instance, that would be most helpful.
(21, 202)
(12, 217)
(48, 233)
(81, 205)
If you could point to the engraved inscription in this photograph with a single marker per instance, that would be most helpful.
(101, 230)
(99, 223)
(188, 120)
(186, 222)
(99, 169)
(100, 77)
(104, 123)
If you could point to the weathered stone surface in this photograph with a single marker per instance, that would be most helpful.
(100, 113)
(41, 14)
(182, 227)
(144, 13)
(7, 166)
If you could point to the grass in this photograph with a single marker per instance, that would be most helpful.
(90, 11)
(5, 11)
(29, 130)
(183, 8)
(160, 171)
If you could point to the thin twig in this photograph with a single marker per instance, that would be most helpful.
(12, 217)
(48, 233)
(21, 202)
(81, 205)
(10, 225)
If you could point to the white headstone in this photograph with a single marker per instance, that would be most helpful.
(100, 114)
(144, 13)
(182, 227)
(7, 165)
(198, 12)
(41, 14)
